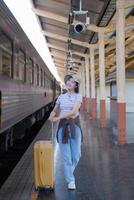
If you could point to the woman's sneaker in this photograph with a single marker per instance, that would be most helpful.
(71, 185)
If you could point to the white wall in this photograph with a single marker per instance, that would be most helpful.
(129, 95)
(107, 94)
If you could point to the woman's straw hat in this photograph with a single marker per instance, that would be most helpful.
(75, 77)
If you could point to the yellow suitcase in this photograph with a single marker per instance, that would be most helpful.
(43, 164)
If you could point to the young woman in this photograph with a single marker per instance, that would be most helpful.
(69, 134)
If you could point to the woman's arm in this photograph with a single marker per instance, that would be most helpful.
(54, 111)
(73, 112)
(68, 114)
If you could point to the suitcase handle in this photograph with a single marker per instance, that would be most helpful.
(42, 167)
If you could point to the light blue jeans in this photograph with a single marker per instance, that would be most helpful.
(70, 152)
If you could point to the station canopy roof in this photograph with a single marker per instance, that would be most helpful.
(57, 19)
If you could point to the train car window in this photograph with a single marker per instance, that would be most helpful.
(38, 75)
(51, 84)
(35, 74)
(32, 71)
(46, 83)
(41, 77)
(29, 67)
(20, 67)
(6, 53)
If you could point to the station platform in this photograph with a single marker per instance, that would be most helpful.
(105, 170)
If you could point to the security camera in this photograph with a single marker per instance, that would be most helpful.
(69, 66)
(79, 27)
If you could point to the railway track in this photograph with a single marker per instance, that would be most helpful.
(9, 159)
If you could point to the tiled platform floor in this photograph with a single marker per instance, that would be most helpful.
(105, 170)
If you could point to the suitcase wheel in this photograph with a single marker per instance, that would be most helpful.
(46, 189)
(34, 194)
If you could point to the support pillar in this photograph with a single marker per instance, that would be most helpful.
(87, 84)
(83, 86)
(102, 80)
(120, 62)
(80, 75)
(93, 107)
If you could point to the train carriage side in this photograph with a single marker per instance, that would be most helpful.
(27, 87)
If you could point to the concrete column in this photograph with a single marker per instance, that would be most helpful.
(102, 80)
(80, 75)
(83, 85)
(120, 62)
(92, 65)
(87, 84)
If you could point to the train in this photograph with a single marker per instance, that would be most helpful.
(27, 87)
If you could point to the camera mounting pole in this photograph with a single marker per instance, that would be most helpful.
(80, 5)
(80, 26)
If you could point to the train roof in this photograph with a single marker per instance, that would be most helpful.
(12, 28)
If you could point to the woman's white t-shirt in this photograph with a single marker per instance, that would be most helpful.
(67, 101)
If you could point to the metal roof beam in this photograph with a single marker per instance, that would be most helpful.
(65, 50)
(128, 22)
(129, 3)
(61, 55)
(60, 59)
(64, 62)
(53, 4)
(65, 39)
(54, 16)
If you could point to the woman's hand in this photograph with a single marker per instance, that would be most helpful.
(52, 114)
(54, 119)
(74, 116)
(72, 113)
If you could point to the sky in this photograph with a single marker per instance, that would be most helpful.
(22, 10)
